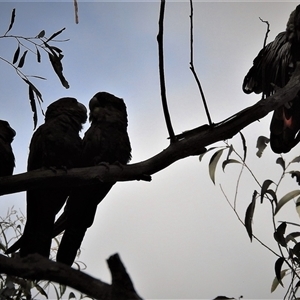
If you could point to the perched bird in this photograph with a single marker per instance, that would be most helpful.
(272, 68)
(106, 141)
(7, 159)
(55, 144)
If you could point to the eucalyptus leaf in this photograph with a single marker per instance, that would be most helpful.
(249, 215)
(286, 198)
(213, 164)
(276, 282)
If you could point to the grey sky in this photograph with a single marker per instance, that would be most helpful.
(177, 236)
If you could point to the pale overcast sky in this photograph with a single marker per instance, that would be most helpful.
(177, 236)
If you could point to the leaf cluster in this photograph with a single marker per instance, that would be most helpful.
(12, 287)
(35, 45)
(288, 243)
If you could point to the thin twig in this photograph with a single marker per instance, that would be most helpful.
(192, 68)
(264, 45)
(267, 32)
(76, 11)
(162, 72)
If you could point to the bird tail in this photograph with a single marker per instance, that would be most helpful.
(285, 126)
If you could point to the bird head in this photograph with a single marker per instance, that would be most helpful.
(293, 26)
(105, 107)
(67, 106)
(6, 132)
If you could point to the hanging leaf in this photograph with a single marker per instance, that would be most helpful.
(36, 91)
(39, 77)
(279, 234)
(58, 68)
(229, 161)
(278, 265)
(249, 215)
(292, 223)
(56, 49)
(62, 289)
(40, 289)
(56, 291)
(264, 188)
(201, 155)
(33, 106)
(244, 146)
(296, 250)
(12, 20)
(276, 282)
(289, 196)
(292, 237)
(16, 55)
(41, 34)
(2, 247)
(213, 164)
(54, 35)
(38, 55)
(22, 60)
(33, 90)
(261, 145)
(230, 149)
(272, 194)
(281, 162)
(296, 159)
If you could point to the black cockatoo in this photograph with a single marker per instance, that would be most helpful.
(55, 144)
(272, 68)
(7, 159)
(106, 141)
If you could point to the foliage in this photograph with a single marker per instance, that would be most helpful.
(19, 288)
(287, 263)
(35, 45)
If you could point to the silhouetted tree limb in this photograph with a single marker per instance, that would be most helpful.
(160, 41)
(36, 267)
(192, 67)
(189, 143)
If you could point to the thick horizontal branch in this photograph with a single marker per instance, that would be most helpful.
(36, 267)
(189, 143)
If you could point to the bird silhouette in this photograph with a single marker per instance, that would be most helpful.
(106, 141)
(55, 144)
(272, 68)
(7, 159)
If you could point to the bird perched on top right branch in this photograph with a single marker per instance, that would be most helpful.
(272, 68)
(106, 141)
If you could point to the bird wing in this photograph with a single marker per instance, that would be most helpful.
(270, 67)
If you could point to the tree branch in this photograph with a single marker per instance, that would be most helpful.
(192, 68)
(162, 72)
(189, 143)
(36, 267)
